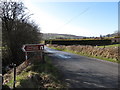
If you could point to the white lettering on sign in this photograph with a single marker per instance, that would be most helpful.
(42, 47)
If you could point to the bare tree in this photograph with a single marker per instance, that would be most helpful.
(16, 30)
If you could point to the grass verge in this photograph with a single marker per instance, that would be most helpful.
(39, 75)
(114, 45)
(84, 54)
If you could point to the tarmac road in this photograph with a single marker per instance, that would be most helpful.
(84, 72)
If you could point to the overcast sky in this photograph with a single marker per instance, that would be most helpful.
(77, 18)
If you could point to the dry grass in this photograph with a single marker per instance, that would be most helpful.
(34, 74)
(107, 53)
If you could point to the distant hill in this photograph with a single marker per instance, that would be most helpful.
(46, 36)
(59, 36)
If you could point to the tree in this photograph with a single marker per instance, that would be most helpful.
(16, 31)
(101, 37)
(116, 34)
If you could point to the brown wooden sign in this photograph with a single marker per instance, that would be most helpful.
(32, 47)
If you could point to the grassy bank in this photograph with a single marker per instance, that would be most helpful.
(114, 45)
(38, 75)
(84, 54)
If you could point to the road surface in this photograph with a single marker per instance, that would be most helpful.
(84, 72)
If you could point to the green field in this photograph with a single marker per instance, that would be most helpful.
(114, 45)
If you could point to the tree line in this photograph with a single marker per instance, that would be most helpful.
(17, 30)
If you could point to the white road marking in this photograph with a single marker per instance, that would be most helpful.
(63, 56)
(93, 84)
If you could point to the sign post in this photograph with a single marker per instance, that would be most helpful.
(14, 66)
(32, 48)
(26, 56)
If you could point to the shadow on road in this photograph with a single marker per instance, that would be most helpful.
(84, 79)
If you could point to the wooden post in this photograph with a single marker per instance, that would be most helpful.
(14, 66)
(26, 57)
(43, 57)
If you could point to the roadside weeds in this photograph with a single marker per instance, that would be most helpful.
(38, 75)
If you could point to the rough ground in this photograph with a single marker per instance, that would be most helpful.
(84, 72)
(34, 74)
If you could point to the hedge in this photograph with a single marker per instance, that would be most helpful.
(79, 42)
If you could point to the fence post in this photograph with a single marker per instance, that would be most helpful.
(26, 56)
(43, 57)
(14, 66)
